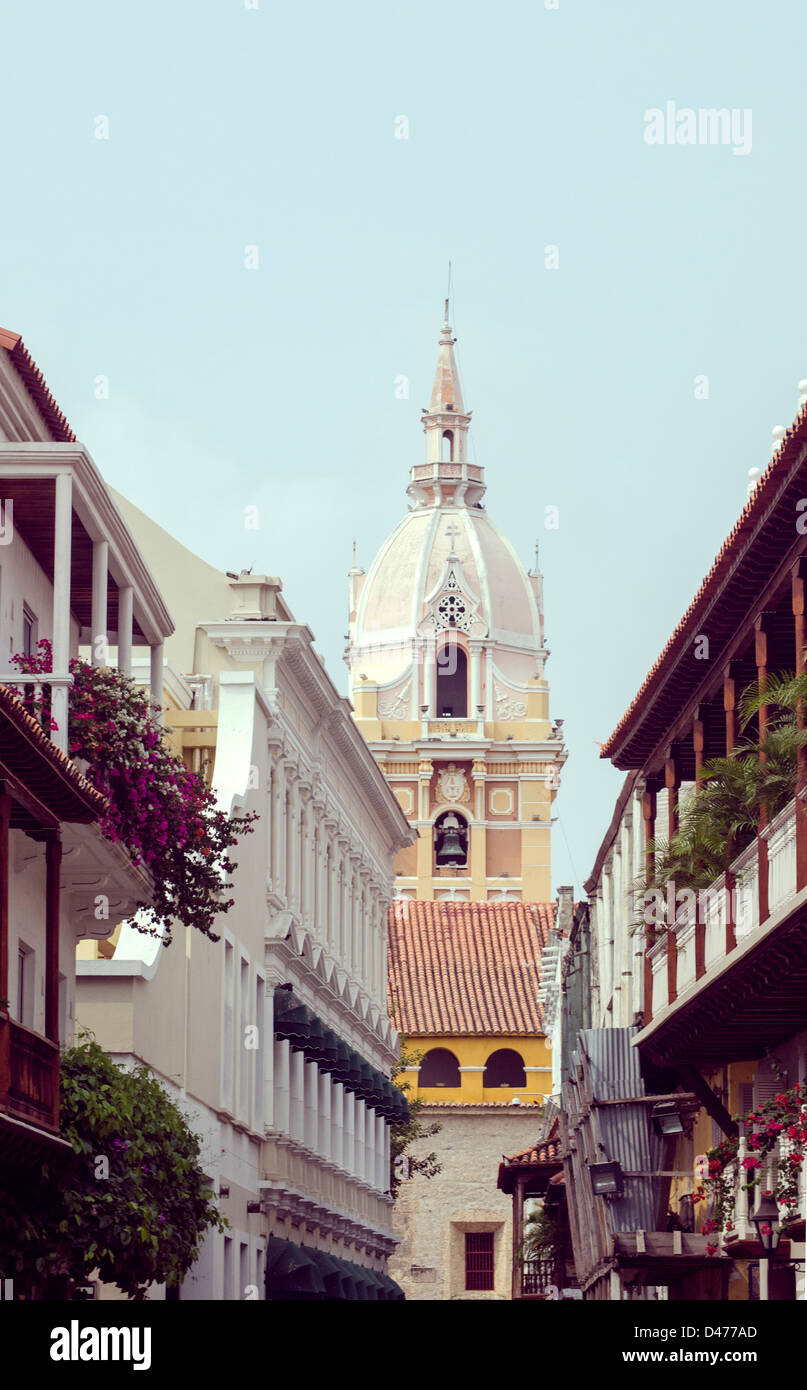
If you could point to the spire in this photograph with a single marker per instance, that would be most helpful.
(446, 392)
(446, 477)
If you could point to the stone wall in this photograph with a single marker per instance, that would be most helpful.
(432, 1215)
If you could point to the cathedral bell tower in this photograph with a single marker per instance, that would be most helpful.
(446, 657)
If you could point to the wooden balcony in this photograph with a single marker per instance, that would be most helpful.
(724, 921)
(729, 979)
(29, 1076)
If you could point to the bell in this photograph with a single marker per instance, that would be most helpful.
(451, 849)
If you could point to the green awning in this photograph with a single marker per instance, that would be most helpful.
(334, 1274)
(291, 1273)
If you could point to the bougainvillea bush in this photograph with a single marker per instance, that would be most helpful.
(161, 812)
(130, 1203)
(780, 1118)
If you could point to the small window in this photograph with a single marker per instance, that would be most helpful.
(25, 985)
(479, 1259)
(505, 1068)
(28, 631)
(439, 1068)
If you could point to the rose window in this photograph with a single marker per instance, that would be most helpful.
(452, 610)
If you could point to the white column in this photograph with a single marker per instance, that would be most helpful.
(292, 847)
(338, 1124)
(380, 1131)
(344, 915)
(156, 676)
(296, 1087)
(282, 1088)
(311, 1100)
(306, 881)
(99, 652)
(476, 679)
(325, 1097)
(125, 624)
(62, 538)
(267, 1043)
(385, 1183)
(331, 914)
(359, 1157)
(428, 678)
(348, 1133)
(322, 883)
(278, 827)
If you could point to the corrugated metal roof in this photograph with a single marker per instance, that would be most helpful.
(621, 1133)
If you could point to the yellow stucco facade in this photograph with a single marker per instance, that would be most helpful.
(472, 1055)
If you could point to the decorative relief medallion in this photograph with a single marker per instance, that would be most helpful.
(452, 784)
(507, 707)
(395, 704)
(406, 800)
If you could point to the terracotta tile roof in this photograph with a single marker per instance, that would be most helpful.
(32, 757)
(466, 968)
(541, 1153)
(37, 386)
(726, 560)
(548, 1150)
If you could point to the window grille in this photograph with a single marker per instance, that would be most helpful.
(479, 1259)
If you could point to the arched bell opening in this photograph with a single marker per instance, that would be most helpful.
(452, 681)
(450, 841)
(447, 447)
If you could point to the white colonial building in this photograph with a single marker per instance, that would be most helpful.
(276, 1038)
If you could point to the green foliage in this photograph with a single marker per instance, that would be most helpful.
(720, 818)
(543, 1236)
(403, 1136)
(130, 1202)
(776, 1150)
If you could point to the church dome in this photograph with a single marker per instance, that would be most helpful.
(429, 545)
(446, 568)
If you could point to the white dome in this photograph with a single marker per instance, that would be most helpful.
(409, 572)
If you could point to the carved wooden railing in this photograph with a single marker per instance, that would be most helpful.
(29, 1075)
(540, 1277)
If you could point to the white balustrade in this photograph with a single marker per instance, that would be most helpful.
(685, 946)
(57, 682)
(781, 836)
(745, 870)
(713, 910)
(658, 962)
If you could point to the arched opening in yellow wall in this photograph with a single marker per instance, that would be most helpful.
(439, 1068)
(505, 1067)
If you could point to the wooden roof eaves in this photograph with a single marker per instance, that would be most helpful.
(618, 748)
(100, 518)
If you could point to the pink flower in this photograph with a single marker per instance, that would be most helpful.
(751, 1162)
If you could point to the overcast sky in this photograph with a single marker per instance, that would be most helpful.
(232, 126)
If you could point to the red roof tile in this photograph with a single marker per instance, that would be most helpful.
(546, 1150)
(466, 968)
(539, 1153)
(37, 386)
(727, 558)
(31, 755)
